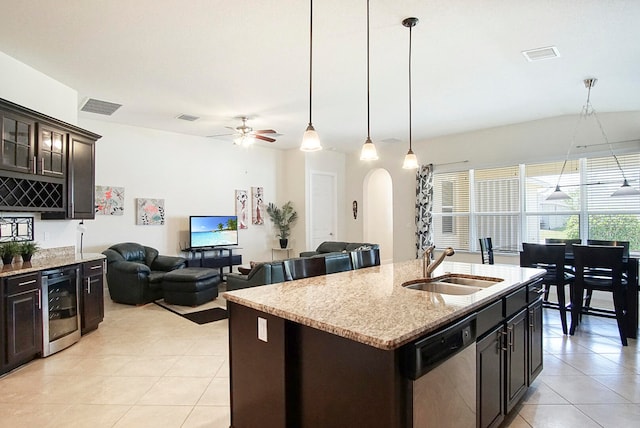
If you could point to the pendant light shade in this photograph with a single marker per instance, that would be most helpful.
(310, 139)
(558, 195)
(369, 151)
(626, 190)
(410, 160)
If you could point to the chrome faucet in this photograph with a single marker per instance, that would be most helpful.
(427, 266)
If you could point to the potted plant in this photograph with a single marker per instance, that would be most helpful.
(283, 218)
(9, 250)
(28, 249)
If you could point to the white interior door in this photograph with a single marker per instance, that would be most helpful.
(322, 208)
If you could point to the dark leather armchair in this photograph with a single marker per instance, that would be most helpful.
(135, 272)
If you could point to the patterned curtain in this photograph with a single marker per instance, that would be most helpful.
(424, 206)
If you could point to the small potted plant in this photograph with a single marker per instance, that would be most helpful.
(9, 250)
(28, 249)
(283, 218)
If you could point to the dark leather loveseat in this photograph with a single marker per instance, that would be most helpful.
(135, 272)
(339, 247)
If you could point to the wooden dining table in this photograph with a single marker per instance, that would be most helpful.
(630, 266)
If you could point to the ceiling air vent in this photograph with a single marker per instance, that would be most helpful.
(541, 53)
(188, 117)
(100, 107)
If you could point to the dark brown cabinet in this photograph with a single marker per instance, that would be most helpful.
(490, 379)
(516, 358)
(23, 319)
(92, 295)
(46, 165)
(535, 340)
(18, 143)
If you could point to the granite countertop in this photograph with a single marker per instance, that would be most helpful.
(35, 265)
(371, 306)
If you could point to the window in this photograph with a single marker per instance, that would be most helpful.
(509, 204)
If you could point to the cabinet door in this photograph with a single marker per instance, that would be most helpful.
(490, 379)
(81, 181)
(24, 327)
(51, 159)
(516, 354)
(535, 340)
(92, 296)
(18, 144)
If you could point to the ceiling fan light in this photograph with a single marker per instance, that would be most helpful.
(558, 195)
(626, 190)
(310, 140)
(410, 160)
(369, 151)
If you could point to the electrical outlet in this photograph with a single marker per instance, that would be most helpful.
(262, 329)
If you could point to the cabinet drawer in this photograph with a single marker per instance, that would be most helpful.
(92, 268)
(489, 317)
(534, 291)
(21, 283)
(515, 301)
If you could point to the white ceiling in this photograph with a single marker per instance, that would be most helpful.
(221, 59)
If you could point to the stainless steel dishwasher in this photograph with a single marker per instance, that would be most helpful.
(442, 372)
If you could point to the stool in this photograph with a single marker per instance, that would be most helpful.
(190, 286)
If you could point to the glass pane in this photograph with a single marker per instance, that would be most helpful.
(9, 129)
(541, 180)
(57, 142)
(23, 133)
(47, 162)
(556, 226)
(497, 190)
(9, 153)
(604, 178)
(616, 227)
(504, 231)
(22, 156)
(459, 239)
(56, 162)
(46, 140)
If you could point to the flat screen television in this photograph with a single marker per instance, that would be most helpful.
(213, 230)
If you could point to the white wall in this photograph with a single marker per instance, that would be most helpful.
(536, 141)
(30, 88)
(194, 175)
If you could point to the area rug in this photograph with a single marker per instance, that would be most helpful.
(203, 314)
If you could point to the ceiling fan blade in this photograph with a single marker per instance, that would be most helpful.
(263, 138)
(219, 135)
(265, 131)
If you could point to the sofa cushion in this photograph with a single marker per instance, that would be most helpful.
(355, 246)
(331, 247)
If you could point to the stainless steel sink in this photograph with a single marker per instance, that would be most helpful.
(468, 280)
(452, 284)
(441, 287)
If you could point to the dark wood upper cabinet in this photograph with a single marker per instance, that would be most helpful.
(46, 165)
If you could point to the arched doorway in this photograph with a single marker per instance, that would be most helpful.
(378, 212)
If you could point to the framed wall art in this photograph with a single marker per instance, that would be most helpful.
(149, 211)
(242, 209)
(257, 205)
(109, 200)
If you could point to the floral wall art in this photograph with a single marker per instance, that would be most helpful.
(149, 211)
(109, 200)
(257, 205)
(242, 209)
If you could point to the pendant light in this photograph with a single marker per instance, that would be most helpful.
(410, 160)
(368, 148)
(310, 139)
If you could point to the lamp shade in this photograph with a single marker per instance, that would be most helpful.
(626, 190)
(369, 151)
(410, 161)
(558, 195)
(310, 140)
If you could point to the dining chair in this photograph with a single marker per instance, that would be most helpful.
(599, 268)
(304, 267)
(365, 258)
(552, 258)
(486, 250)
(625, 257)
(567, 242)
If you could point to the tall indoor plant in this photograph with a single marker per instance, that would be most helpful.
(283, 218)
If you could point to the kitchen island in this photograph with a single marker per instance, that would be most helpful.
(330, 350)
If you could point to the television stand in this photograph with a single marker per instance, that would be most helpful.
(213, 257)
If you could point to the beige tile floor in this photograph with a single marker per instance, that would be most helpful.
(147, 367)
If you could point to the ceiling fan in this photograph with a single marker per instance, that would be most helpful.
(245, 136)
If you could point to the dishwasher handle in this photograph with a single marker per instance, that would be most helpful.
(423, 355)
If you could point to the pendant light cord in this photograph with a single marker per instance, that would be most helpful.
(368, 108)
(310, 56)
(410, 28)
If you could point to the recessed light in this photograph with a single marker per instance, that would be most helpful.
(187, 117)
(539, 54)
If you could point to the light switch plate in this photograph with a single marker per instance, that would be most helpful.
(262, 329)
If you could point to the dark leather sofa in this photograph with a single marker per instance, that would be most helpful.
(274, 272)
(339, 247)
(135, 272)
